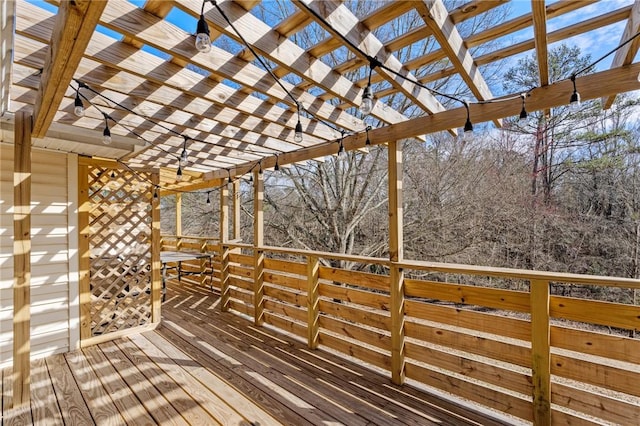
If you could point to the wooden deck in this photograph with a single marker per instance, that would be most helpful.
(203, 367)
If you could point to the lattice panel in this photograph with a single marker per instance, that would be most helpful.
(120, 248)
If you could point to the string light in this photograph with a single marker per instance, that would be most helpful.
(179, 174)
(574, 101)
(298, 132)
(113, 174)
(203, 39)
(184, 157)
(341, 151)
(468, 127)
(106, 133)
(208, 198)
(155, 192)
(366, 106)
(78, 108)
(277, 166)
(523, 112)
(230, 181)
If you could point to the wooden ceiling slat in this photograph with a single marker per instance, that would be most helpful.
(436, 17)
(287, 54)
(539, 13)
(338, 20)
(138, 25)
(625, 55)
(75, 23)
(129, 59)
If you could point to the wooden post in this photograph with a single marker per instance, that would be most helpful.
(156, 279)
(178, 215)
(236, 212)
(224, 248)
(396, 254)
(540, 352)
(313, 311)
(258, 254)
(84, 206)
(22, 260)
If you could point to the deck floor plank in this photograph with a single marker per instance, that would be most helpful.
(44, 406)
(73, 407)
(192, 412)
(249, 410)
(312, 400)
(123, 398)
(152, 399)
(175, 366)
(102, 408)
(209, 358)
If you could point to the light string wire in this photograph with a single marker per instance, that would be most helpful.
(373, 63)
(266, 66)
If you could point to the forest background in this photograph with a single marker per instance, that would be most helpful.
(556, 191)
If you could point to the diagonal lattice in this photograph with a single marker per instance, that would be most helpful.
(120, 247)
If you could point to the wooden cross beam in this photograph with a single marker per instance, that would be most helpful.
(75, 24)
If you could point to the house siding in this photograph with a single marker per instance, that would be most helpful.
(53, 302)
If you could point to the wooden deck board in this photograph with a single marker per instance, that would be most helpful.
(152, 399)
(202, 366)
(44, 407)
(122, 396)
(102, 408)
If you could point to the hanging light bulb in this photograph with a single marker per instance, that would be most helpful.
(367, 96)
(468, 127)
(230, 181)
(367, 142)
(78, 109)
(203, 40)
(297, 137)
(106, 133)
(155, 193)
(523, 112)
(184, 157)
(574, 101)
(367, 101)
(179, 174)
(260, 167)
(277, 166)
(208, 198)
(342, 153)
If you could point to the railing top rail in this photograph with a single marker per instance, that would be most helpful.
(525, 274)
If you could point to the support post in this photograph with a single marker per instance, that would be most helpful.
(258, 253)
(396, 254)
(22, 260)
(84, 207)
(224, 248)
(236, 213)
(156, 279)
(313, 293)
(540, 352)
(178, 215)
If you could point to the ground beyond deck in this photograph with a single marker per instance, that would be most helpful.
(204, 367)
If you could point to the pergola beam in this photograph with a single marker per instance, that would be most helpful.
(590, 86)
(539, 13)
(625, 55)
(436, 17)
(75, 23)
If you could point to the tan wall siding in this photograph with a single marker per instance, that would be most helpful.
(50, 321)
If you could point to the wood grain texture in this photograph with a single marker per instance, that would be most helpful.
(72, 31)
(22, 260)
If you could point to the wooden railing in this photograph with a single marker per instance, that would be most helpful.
(527, 353)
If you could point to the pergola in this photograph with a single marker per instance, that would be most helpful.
(236, 109)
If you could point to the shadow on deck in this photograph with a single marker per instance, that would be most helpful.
(205, 367)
